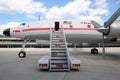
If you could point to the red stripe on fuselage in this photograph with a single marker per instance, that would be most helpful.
(36, 29)
(16, 30)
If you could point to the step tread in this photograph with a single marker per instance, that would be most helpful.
(60, 70)
(59, 58)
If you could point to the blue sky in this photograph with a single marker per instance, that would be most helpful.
(19, 11)
(51, 3)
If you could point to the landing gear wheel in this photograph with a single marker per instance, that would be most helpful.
(94, 51)
(22, 54)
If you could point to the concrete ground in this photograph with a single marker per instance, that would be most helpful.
(93, 67)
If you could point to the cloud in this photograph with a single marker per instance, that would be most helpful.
(79, 9)
(9, 25)
(76, 9)
(21, 6)
(72, 9)
(99, 10)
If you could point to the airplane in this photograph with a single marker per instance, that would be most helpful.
(87, 31)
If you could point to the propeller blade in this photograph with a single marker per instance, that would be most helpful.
(103, 30)
(100, 28)
(96, 25)
(112, 18)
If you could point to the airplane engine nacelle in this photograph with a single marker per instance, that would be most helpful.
(114, 32)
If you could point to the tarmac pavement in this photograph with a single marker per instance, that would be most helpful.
(93, 66)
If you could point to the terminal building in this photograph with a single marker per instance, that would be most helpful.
(8, 42)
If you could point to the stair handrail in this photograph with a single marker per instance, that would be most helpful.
(50, 46)
(66, 45)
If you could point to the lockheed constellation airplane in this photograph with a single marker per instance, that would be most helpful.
(75, 31)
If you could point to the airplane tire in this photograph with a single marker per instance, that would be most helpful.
(94, 51)
(22, 54)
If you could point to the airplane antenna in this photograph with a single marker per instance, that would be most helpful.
(39, 18)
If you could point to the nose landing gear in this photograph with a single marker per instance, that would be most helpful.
(22, 53)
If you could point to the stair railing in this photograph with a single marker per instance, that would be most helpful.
(62, 28)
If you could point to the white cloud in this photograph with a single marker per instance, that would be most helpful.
(83, 9)
(76, 9)
(100, 8)
(21, 6)
(9, 25)
(72, 9)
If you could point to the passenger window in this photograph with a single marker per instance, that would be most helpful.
(28, 25)
(71, 26)
(88, 26)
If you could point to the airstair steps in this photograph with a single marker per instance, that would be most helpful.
(56, 62)
(53, 50)
(55, 67)
(59, 59)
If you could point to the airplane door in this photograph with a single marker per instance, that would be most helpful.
(57, 26)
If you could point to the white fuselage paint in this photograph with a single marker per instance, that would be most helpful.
(76, 31)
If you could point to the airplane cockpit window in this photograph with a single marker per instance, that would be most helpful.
(88, 26)
(22, 24)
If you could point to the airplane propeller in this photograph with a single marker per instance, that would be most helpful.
(106, 27)
(100, 28)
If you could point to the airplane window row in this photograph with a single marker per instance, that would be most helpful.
(71, 26)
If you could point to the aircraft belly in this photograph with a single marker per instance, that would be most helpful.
(42, 35)
(83, 36)
(71, 36)
(39, 36)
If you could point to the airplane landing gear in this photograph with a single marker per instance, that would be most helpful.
(22, 53)
(94, 51)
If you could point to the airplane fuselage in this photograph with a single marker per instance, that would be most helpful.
(76, 31)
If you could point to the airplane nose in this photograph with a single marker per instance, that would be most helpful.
(6, 32)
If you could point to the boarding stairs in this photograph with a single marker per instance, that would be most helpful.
(59, 57)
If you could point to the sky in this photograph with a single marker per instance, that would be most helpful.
(14, 12)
